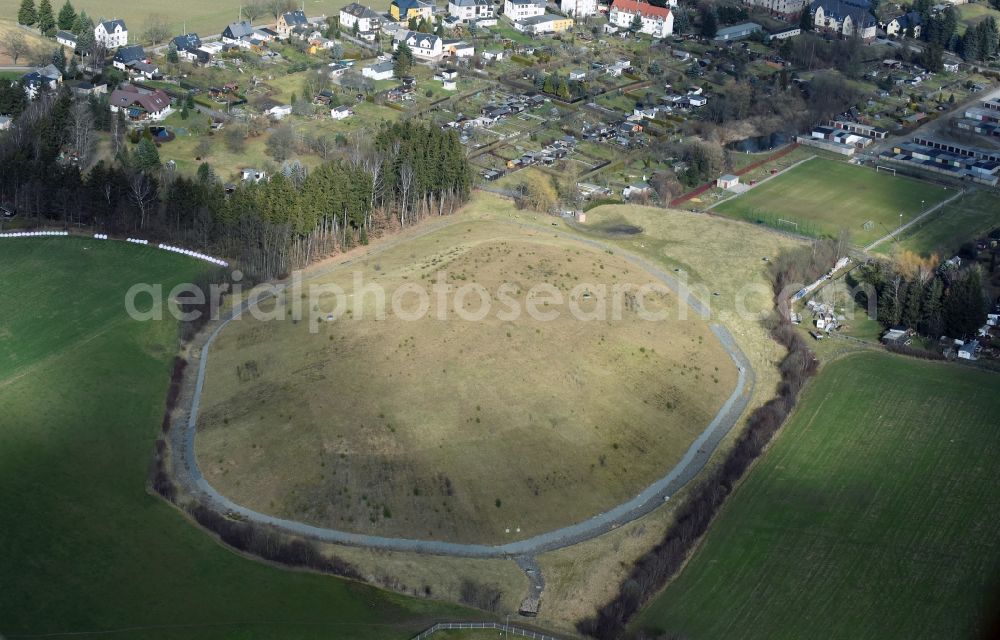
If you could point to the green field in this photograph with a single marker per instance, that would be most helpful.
(204, 18)
(875, 514)
(826, 196)
(84, 550)
(964, 220)
(972, 13)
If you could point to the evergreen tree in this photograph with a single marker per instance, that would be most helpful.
(403, 60)
(911, 306)
(806, 20)
(147, 156)
(59, 60)
(184, 112)
(84, 30)
(205, 173)
(79, 23)
(172, 56)
(932, 322)
(709, 22)
(549, 86)
(189, 101)
(67, 17)
(563, 91)
(27, 14)
(46, 20)
(636, 25)
(965, 306)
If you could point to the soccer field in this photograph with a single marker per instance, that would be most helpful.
(84, 550)
(824, 197)
(875, 514)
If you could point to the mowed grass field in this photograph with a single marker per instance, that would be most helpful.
(204, 18)
(875, 514)
(964, 220)
(84, 550)
(461, 429)
(825, 197)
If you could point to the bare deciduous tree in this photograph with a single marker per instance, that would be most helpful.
(156, 29)
(142, 191)
(15, 45)
(82, 131)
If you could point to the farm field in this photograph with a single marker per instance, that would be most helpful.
(471, 430)
(824, 197)
(204, 18)
(966, 219)
(875, 514)
(83, 393)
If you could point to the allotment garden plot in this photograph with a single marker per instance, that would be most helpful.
(473, 431)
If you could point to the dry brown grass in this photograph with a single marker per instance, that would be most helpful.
(459, 430)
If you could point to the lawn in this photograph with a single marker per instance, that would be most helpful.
(34, 41)
(964, 220)
(204, 18)
(88, 549)
(482, 430)
(972, 13)
(824, 197)
(875, 514)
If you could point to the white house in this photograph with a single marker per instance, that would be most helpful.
(578, 8)
(426, 46)
(111, 33)
(339, 113)
(900, 25)
(67, 39)
(364, 17)
(845, 17)
(656, 21)
(237, 33)
(379, 71)
(521, 9)
(471, 10)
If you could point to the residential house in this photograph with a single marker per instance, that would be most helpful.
(379, 71)
(656, 21)
(83, 88)
(516, 10)
(728, 181)
(578, 8)
(845, 17)
(264, 34)
(337, 69)
(406, 10)
(425, 46)
(339, 113)
(290, 21)
(457, 49)
(111, 33)
(238, 33)
(128, 55)
(140, 104)
(637, 189)
(545, 23)
(42, 78)
(363, 17)
(186, 41)
(471, 10)
(493, 56)
(249, 174)
(782, 8)
(901, 26)
(67, 39)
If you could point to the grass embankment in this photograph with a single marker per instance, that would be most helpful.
(875, 514)
(89, 550)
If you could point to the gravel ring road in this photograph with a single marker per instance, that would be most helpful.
(186, 471)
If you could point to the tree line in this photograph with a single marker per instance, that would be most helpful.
(932, 301)
(653, 570)
(405, 172)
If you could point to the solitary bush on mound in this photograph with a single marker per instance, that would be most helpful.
(270, 545)
(652, 571)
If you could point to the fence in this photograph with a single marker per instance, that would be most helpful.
(747, 169)
(498, 626)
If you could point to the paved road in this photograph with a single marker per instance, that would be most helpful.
(187, 473)
(901, 229)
